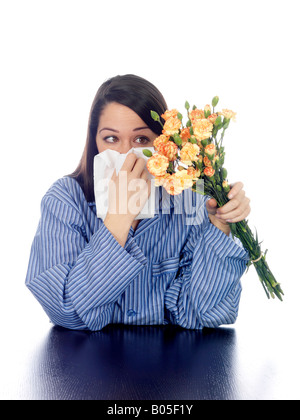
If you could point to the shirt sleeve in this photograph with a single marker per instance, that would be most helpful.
(78, 282)
(206, 292)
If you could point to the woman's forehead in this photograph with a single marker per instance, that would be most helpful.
(117, 115)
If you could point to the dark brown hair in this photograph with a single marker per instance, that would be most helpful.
(129, 90)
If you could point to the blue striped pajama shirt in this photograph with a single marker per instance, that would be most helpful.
(175, 268)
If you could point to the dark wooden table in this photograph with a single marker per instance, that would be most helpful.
(135, 363)
(256, 359)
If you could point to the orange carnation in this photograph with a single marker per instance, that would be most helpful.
(196, 114)
(168, 149)
(209, 171)
(202, 129)
(227, 113)
(159, 180)
(185, 135)
(157, 164)
(171, 126)
(210, 150)
(206, 161)
(168, 114)
(184, 178)
(193, 173)
(177, 182)
(173, 185)
(212, 118)
(160, 140)
(189, 153)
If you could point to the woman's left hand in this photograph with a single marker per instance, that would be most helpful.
(235, 210)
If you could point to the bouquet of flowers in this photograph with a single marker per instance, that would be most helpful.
(186, 154)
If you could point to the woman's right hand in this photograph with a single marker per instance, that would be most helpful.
(128, 193)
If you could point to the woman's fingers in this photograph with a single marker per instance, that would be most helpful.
(211, 206)
(237, 209)
(235, 215)
(134, 166)
(131, 187)
(235, 189)
(129, 162)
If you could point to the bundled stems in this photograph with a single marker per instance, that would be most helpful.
(242, 231)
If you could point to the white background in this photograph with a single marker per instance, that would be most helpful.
(54, 56)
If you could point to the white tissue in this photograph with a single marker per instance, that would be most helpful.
(104, 165)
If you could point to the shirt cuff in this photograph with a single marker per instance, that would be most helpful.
(224, 244)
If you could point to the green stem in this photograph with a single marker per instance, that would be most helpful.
(242, 231)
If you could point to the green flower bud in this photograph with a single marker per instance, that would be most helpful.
(225, 186)
(199, 165)
(207, 111)
(155, 116)
(215, 101)
(215, 131)
(179, 116)
(224, 173)
(226, 123)
(187, 106)
(218, 121)
(177, 139)
(221, 160)
(147, 152)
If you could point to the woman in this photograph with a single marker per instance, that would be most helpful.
(87, 272)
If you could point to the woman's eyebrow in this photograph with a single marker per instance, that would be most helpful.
(116, 131)
(141, 128)
(109, 129)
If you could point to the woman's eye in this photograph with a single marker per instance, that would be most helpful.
(110, 139)
(142, 140)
